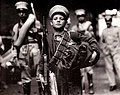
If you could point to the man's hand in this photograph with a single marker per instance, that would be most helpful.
(31, 17)
(14, 53)
(40, 78)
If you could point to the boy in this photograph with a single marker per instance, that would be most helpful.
(63, 51)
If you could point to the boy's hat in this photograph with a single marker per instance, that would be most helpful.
(59, 9)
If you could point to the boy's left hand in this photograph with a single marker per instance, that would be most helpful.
(93, 57)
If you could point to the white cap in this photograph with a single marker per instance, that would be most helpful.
(118, 13)
(114, 11)
(109, 12)
(22, 5)
(80, 12)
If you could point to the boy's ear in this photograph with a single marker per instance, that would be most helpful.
(51, 23)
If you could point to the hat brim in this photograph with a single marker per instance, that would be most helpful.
(61, 13)
(21, 7)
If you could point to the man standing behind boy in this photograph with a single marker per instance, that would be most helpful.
(110, 40)
(27, 42)
(85, 27)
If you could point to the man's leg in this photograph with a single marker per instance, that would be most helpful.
(40, 88)
(27, 88)
(35, 53)
(110, 72)
(117, 64)
(26, 79)
(24, 61)
(83, 79)
(90, 79)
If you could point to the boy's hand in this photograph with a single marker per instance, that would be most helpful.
(93, 57)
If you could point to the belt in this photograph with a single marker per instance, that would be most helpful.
(32, 41)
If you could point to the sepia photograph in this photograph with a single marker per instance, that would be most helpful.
(60, 47)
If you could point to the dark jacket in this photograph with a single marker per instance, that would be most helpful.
(59, 67)
(84, 53)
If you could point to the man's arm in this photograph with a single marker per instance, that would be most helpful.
(103, 44)
(119, 34)
(94, 47)
(90, 29)
(15, 32)
(24, 29)
(7, 56)
(73, 28)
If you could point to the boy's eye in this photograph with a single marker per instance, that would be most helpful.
(55, 18)
(22, 11)
(62, 18)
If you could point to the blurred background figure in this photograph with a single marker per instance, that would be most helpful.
(67, 26)
(4, 58)
(116, 17)
(1, 50)
(110, 45)
(101, 23)
(85, 27)
(2, 70)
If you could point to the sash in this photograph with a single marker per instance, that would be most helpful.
(71, 54)
(65, 52)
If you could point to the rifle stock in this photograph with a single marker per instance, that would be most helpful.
(53, 84)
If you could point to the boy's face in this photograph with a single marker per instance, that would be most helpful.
(58, 21)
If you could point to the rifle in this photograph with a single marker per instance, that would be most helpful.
(45, 58)
(33, 10)
(50, 84)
